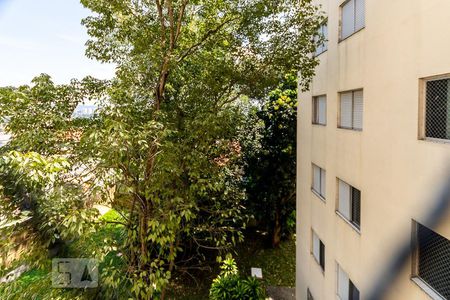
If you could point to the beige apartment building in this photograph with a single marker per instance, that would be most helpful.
(374, 154)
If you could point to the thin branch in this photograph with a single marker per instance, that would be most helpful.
(228, 101)
(161, 20)
(180, 18)
(171, 25)
(204, 38)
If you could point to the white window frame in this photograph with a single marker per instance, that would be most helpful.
(415, 277)
(322, 184)
(316, 243)
(342, 274)
(348, 217)
(316, 110)
(322, 33)
(356, 27)
(423, 106)
(356, 105)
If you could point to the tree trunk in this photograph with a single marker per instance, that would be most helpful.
(276, 233)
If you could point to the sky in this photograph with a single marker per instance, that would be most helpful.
(45, 36)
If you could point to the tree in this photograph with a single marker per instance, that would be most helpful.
(271, 159)
(165, 140)
(169, 135)
(39, 117)
(42, 195)
(40, 199)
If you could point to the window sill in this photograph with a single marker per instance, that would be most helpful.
(350, 128)
(320, 124)
(318, 195)
(435, 140)
(353, 226)
(343, 39)
(427, 289)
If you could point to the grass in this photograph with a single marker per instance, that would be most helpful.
(36, 283)
(278, 266)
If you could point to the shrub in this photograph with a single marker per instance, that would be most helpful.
(230, 286)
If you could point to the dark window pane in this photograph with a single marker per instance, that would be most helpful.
(309, 295)
(322, 255)
(434, 260)
(356, 207)
(354, 292)
(437, 124)
(315, 111)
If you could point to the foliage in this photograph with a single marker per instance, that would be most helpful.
(278, 264)
(230, 286)
(40, 116)
(40, 201)
(36, 283)
(270, 159)
(291, 222)
(166, 140)
(163, 149)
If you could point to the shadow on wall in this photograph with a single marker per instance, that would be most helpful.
(438, 211)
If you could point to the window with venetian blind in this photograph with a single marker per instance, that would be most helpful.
(319, 110)
(319, 181)
(351, 110)
(349, 203)
(353, 17)
(322, 34)
(318, 250)
(346, 289)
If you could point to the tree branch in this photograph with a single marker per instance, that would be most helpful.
(204, 38)
(161, 20)
(171, 25)
(180, 18)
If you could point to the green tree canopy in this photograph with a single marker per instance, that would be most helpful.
(165, 141)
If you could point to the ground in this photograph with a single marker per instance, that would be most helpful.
(278, 266)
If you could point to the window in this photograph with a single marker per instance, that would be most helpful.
(322, 35)
(318, 250)
(352, 17)
(437, 109)
(351, 110)
(319, 181)
(349, 205)
(432, 260)
(320, 110)
(346, 290)
(309, 295)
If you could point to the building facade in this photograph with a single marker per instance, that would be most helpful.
(374, 154)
